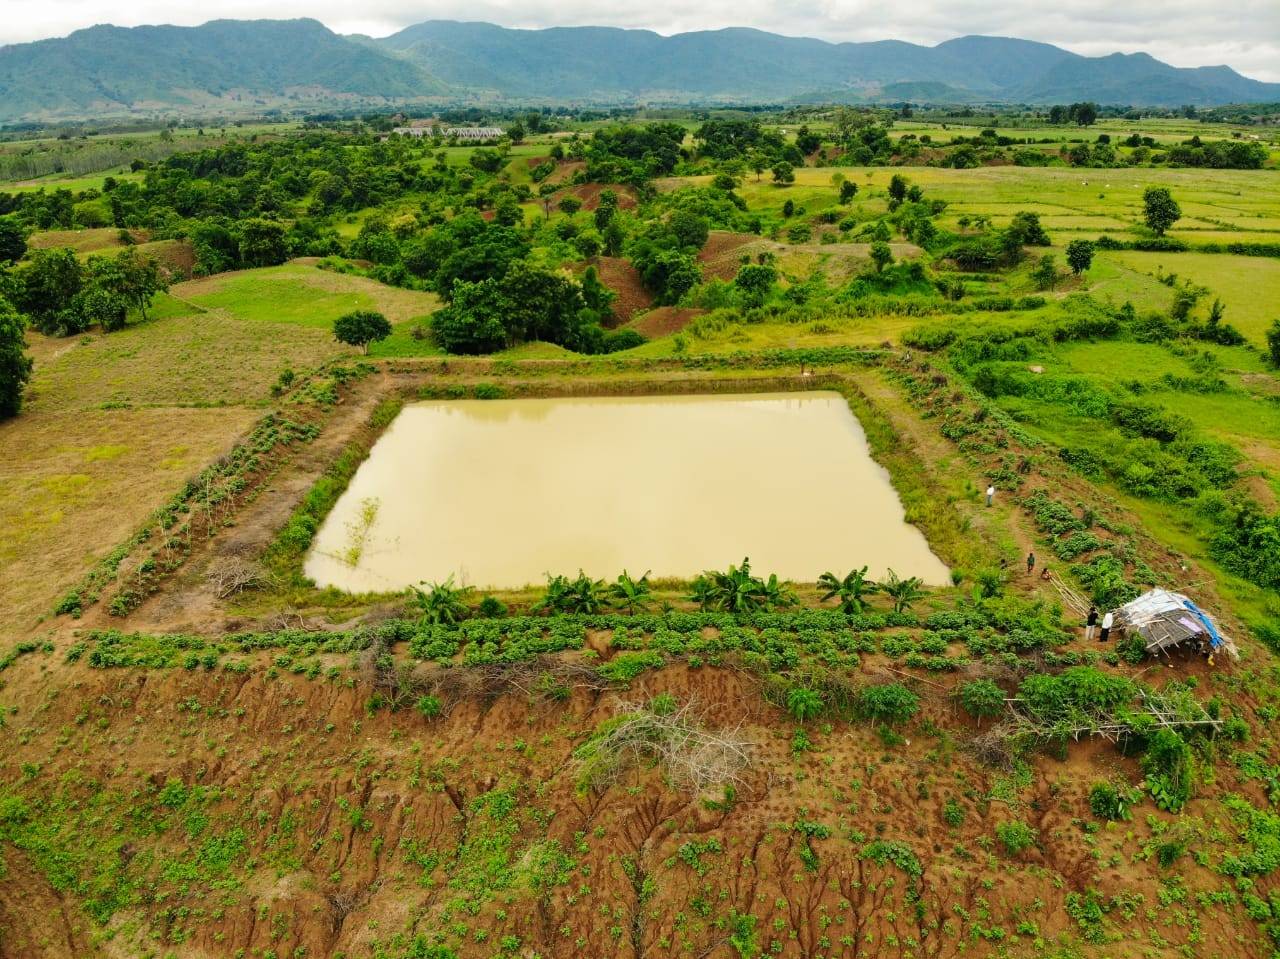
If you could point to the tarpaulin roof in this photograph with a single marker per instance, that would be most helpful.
(1166, 619)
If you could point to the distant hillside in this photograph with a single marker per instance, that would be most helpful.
(251, 65)
(738, 64)
(111, 70)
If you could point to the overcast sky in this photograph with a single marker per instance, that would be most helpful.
(1244, 34)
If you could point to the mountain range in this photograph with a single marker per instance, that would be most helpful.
(248, 65)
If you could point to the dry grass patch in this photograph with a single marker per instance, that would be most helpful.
(73, 484)
(200, 359)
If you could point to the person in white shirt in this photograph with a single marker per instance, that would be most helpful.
(991, 494)
(1107, 620)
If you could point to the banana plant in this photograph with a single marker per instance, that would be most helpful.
(851, 590)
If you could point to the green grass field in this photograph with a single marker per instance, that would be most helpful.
(1248, 286)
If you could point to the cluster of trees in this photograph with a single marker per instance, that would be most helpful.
(60, 296)
(1082, 114)
(634, 154)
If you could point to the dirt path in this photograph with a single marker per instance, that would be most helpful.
(188, 602)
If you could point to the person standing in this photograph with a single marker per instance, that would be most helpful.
(1091, 623)
(1031, 563)
(1106, 628)
(991, 493)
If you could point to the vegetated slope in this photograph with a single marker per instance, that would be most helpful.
(743, 64)
(107, 69)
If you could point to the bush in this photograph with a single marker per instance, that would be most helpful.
(1110, 802)
(429, 706)
(803, 704)
(981, 699)
(887, 703)
(1015, 836)
(1167, 765)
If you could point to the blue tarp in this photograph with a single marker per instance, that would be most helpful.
(1215, 641)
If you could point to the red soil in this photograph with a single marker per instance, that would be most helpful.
(664, 321)
(619, 275)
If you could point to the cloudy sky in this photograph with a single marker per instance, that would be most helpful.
(1244, 34)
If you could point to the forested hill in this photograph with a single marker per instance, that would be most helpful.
(743, 65)
(225, 64)
(250, 66)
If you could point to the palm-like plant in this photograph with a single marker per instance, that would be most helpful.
(442, 604)
(735, 590)
(903, 592)
(777, 594)
(629, 593)
(852, 590)
(579, 595)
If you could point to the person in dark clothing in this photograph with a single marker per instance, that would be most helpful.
(1031, 563)
(1091, 623)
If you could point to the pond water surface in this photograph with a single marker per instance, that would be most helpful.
(497, 493)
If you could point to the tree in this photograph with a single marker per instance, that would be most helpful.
(13, 239)
(755, 280)
(140, 279)
(851, 590)
(526, 303)
(848, 190)
(690, 229)
(1160, 210)
(897, 190)
(261, 242)
(46, 289)
(360, 328)
(1025, 225)
(606, 209)
(1273, 343)
(1079, 256)
(1045, 273)
(613, 237)
(783, 173)
(737, 591)
(15, 365)
(569, 205)
(881, 255)
(100, 303)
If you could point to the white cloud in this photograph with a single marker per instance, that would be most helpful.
(1244, 34)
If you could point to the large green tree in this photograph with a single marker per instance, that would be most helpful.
(1079, 256)
(46, 288)
(1160, 209)
(15, 365)
(360, 328)
(13, 239)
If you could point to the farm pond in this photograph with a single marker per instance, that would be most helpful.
(498, 493)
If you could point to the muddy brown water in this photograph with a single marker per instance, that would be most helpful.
(497, 493)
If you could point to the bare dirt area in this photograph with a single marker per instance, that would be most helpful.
(356, 818)
(589, 195)
(617, 273)
(664, 321)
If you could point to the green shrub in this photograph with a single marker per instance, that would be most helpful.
(429, 706)
(1111, 802)
(1167, 765)
(981, 698)
(1015, 836)
(888, 703)
(803, 704)
(953, 814)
